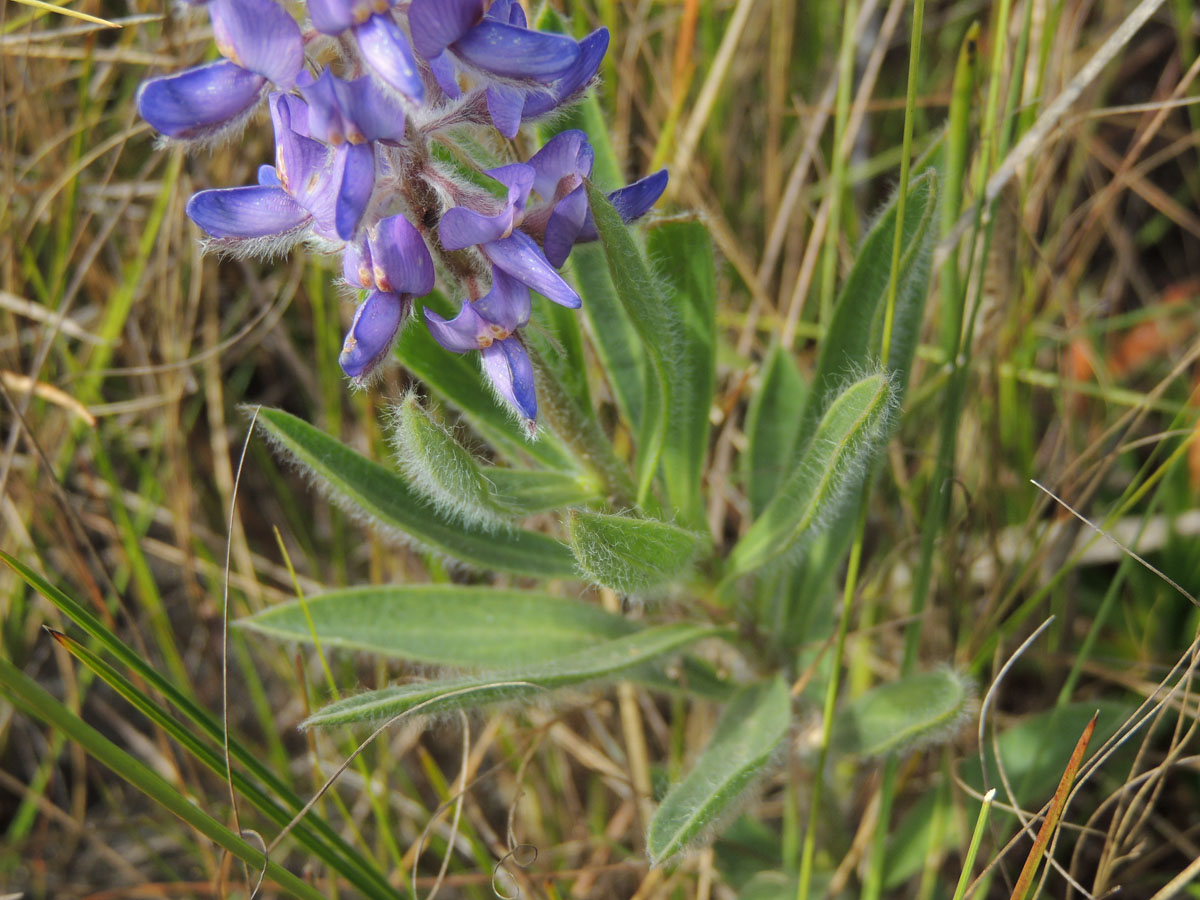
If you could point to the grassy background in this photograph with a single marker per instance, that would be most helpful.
(125, 355)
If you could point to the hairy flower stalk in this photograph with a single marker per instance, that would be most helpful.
(355, 174)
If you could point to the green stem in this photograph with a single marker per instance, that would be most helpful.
(976, 839)
(831, 694)
(581, 433)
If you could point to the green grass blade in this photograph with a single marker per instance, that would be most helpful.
(202, 718)
(387, 500)
(607, 661)
(443, 624)
(960, 890)
(36, 702)
(366, 878)
(746, 738)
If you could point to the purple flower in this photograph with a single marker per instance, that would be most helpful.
(563, 218)
(509, 106)
(380, 41)
(311, 187)
(631, 202)
(573, 82)
(397, 263)
(497, 236)
(495, 42)
(262, 45)
(355, 112)
(490, 325)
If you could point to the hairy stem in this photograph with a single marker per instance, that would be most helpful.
(581, 433)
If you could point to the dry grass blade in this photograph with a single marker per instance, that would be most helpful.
(64, 11)
(1057, 804)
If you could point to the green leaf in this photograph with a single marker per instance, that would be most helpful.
(682, 255)
(443, 624)
(627, 554)
(852, 343)
(844, 444)
(616, 340)
(439, 467)
(657, 325)
(457, 378)
(387, 500)
(558, 342)
(605, 661)
(524, 492)
(772, 427)
(906, 714)
(746, 738)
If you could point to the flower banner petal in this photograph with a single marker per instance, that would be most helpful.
(259, 35)
(436, 24)
(389, 55)
(513, 52)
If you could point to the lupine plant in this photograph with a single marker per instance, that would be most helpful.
(392, 125)
(568, 503)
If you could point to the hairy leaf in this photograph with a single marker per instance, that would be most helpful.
(613, 335)
(657, 326)
(748, 734)
(457, 378)
(628, 554)
(608, 660)
(682, 254)
(525, 491)
(902, 715)
(772, 427)
(845, 441)
(852, 343)
(443, 624)
(439, 467)
(387, 500)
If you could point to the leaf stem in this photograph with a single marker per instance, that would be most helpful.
(581, 433)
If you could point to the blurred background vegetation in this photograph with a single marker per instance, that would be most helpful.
(126, 355)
